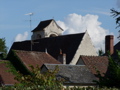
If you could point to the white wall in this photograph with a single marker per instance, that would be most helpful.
(85, 48)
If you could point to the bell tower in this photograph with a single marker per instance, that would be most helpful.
(47, 28)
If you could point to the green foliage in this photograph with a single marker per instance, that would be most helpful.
(11, 68)
(100, 52)
(116, 15)
(17, 63)
(3, 48)
(37, 80)
(112, 78)
(74, 88)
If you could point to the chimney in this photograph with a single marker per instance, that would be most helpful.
(109, 44)
(62, 57)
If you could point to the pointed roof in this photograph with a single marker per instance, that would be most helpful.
(44, 24)
(67, 43)
(96, 62)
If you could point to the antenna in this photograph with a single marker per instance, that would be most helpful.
(30, 14)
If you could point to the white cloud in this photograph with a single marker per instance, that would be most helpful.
(118, 3)
(75, 23)
(21, 37)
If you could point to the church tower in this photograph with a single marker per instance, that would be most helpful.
(47, 28)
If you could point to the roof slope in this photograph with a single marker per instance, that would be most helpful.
(116, 47)
(6, 78)
(35, 58)
(98, 62)
(44, 24)
(73, 73)
(67, 43)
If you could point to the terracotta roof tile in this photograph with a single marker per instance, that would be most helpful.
(98, 62)
(6, 78)
(35, 58)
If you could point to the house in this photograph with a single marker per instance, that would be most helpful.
(72, 45)
(23, 59)
(74, 75)
(6, 78)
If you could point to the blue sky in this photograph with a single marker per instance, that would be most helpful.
(73, 16)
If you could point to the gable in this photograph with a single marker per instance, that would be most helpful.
(85, 48)
(53, 29)
(80, 62)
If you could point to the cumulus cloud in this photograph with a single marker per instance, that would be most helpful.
(21, 37)
(75, 23)
(118, 3)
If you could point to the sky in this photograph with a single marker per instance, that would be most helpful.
(74, 16)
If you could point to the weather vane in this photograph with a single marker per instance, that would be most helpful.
(30, 14)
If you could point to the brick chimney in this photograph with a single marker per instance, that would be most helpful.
(109, 44)
(62, 57)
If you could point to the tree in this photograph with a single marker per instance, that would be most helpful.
(3, 48)
(112, 77)
(116, 15)
(40, 81)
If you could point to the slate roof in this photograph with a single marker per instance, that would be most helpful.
(6, 78)
(98, 62)
(44, 24)
(35, 58)
(78, 74)
(116, 47)
(67, 43)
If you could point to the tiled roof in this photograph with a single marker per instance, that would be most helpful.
(67, 43)
(6, 78)
(73, 73)
(35, 58)
(98, 62)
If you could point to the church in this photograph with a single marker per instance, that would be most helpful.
(47, 37)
